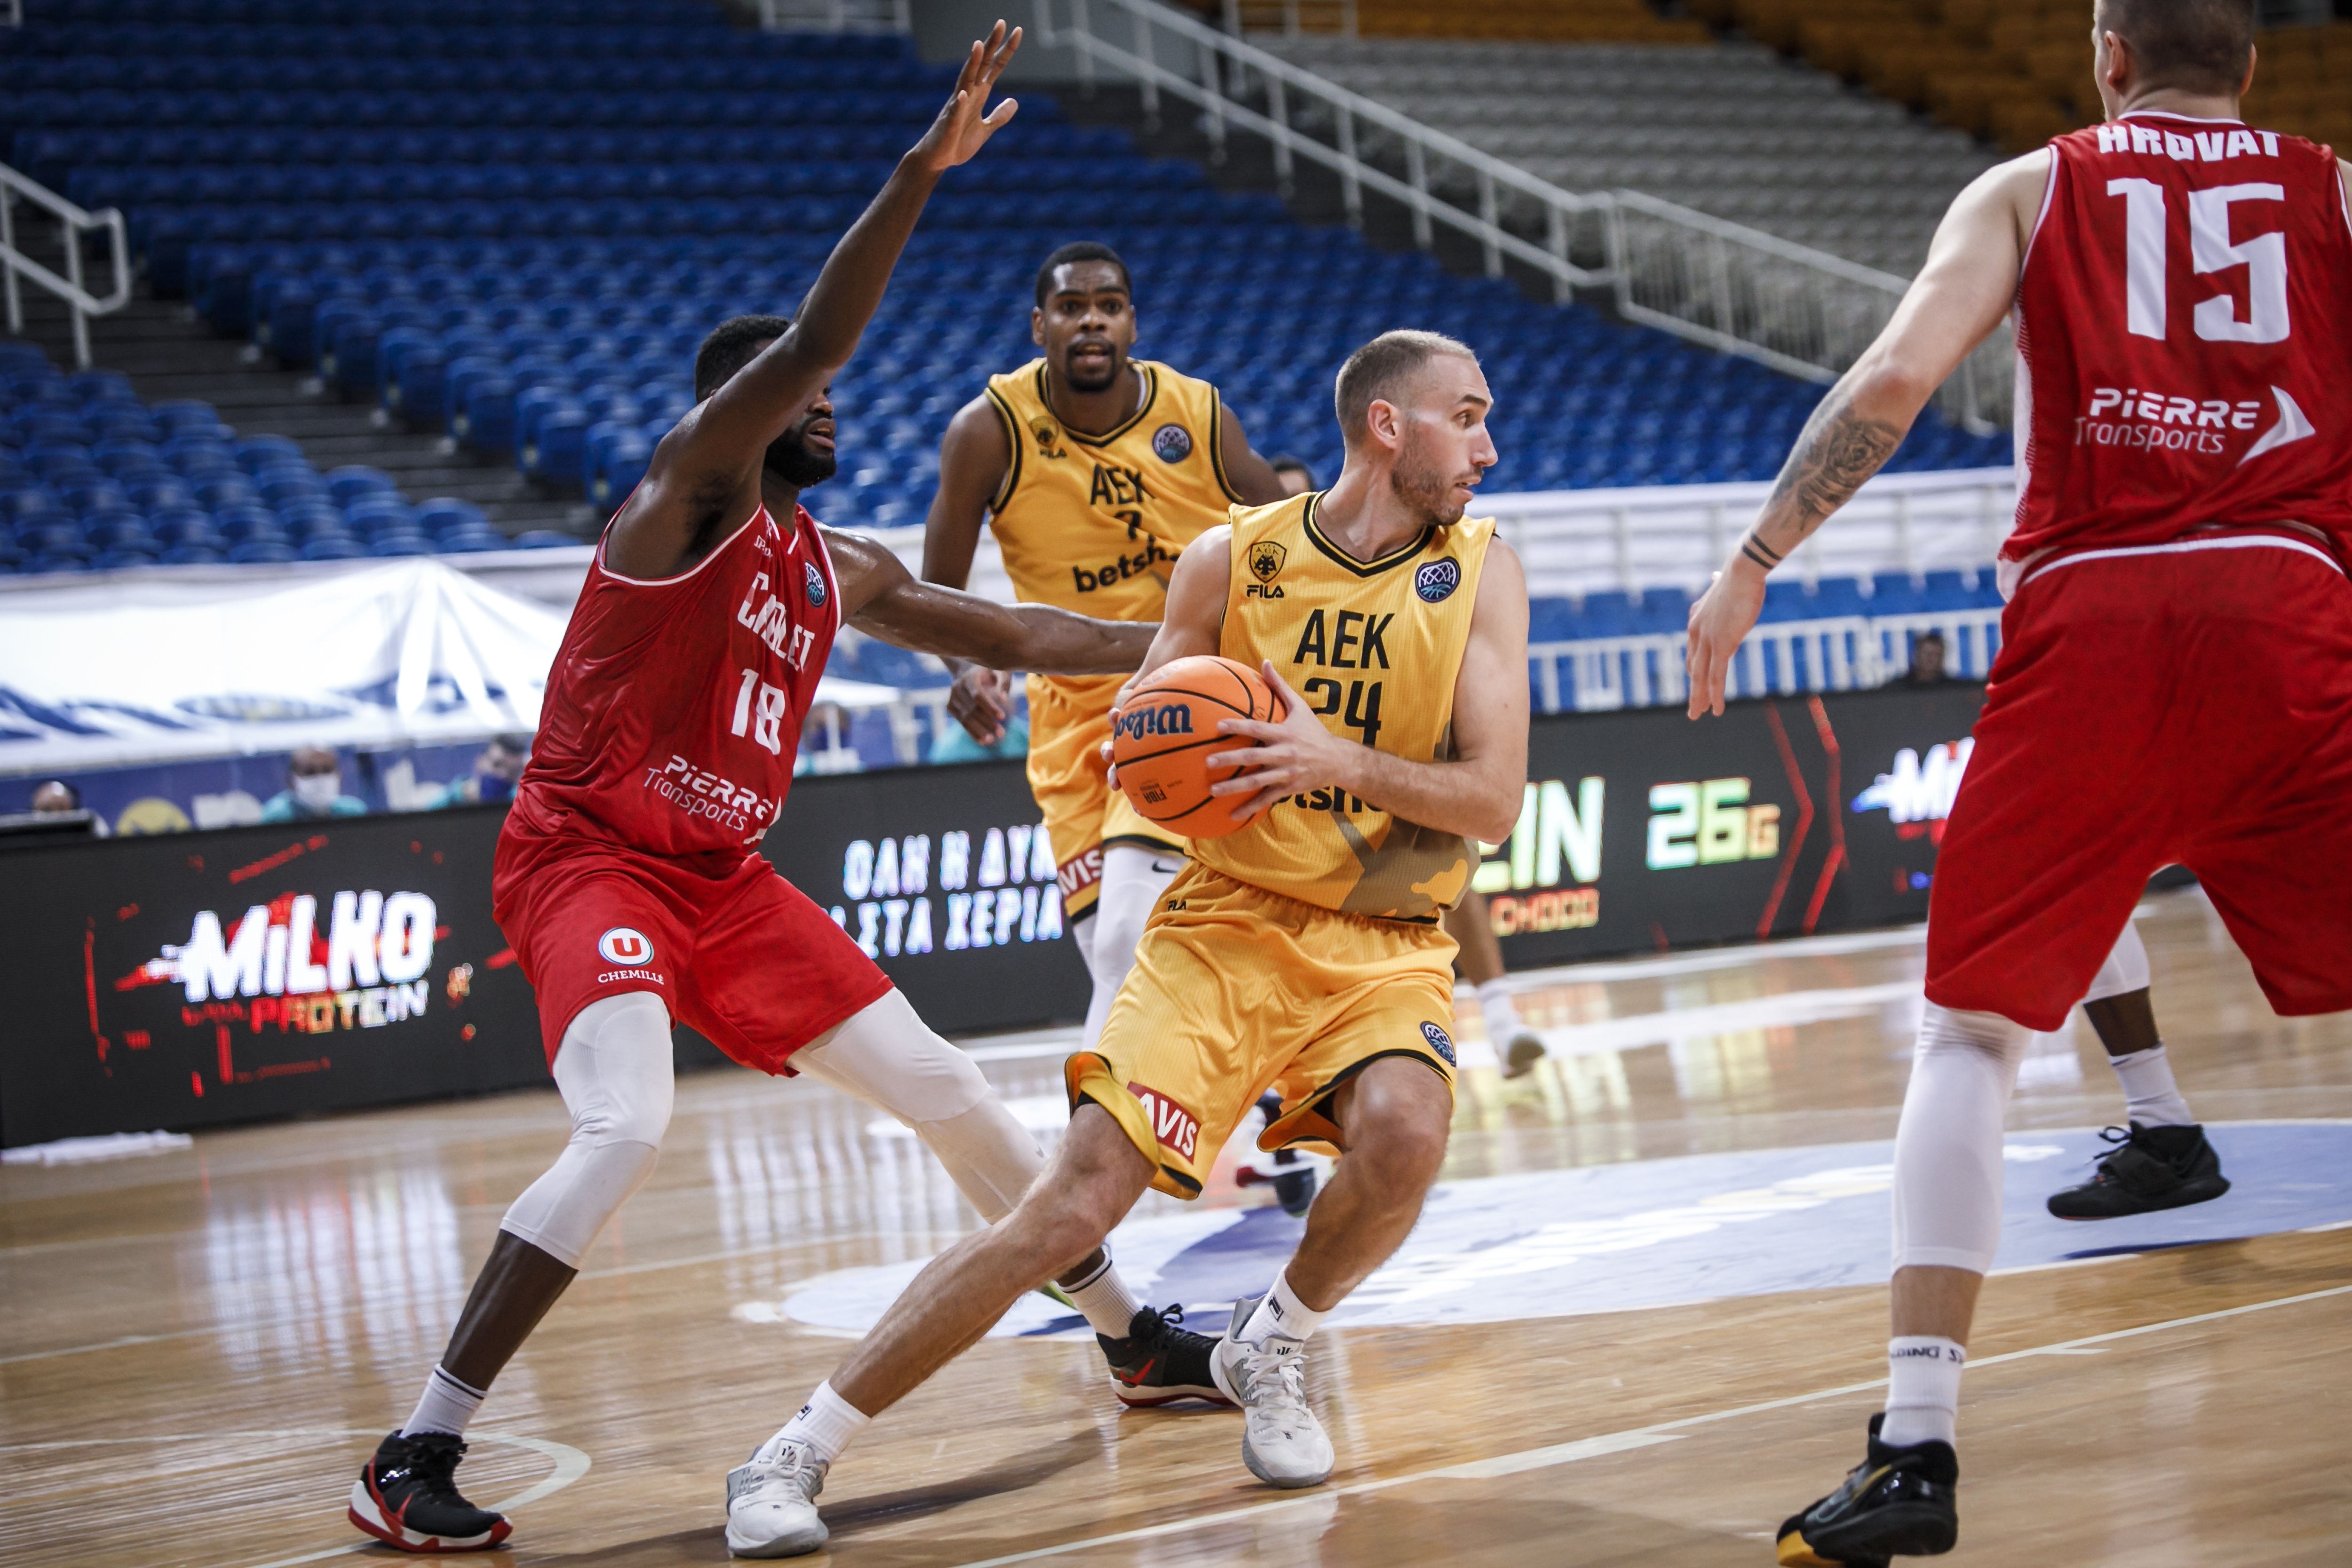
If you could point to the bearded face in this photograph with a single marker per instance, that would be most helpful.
(1424, 478)
(793, 462)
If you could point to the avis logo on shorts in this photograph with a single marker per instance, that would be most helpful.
(1175, 1127)
(1439, 1041)
(1435, 582)
(628, 948)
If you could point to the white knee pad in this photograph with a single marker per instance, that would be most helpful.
(613, 1071)
(2126, 970)
(1133, 878)
(889, 1058)
(1947, 1148)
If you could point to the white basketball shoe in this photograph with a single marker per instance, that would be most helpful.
(1282, 1442)
(771, 1501)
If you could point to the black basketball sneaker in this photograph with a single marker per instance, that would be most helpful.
(1290, 1174)
(2151, 1168)
(408, 1497)
(1159, 1362)
(1898, 1502)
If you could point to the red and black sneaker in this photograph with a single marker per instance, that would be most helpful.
(1159, 1363)
(408, 1497)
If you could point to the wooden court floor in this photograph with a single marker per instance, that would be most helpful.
(197, 1349)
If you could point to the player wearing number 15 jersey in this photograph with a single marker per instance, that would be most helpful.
(626, 876)
(2174, 680)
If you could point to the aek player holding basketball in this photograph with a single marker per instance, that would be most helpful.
(626, 876)
(1094, 470)
(1303, 951)
(2174, 680)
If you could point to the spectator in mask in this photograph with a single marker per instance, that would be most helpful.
(494, 775)
(314, 789)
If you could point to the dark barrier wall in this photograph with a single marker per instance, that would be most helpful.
(129, 963)
(146, 995)
(1644, 831)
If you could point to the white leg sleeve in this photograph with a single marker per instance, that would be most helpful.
(1947, 1151)
(2126, 970)
(1133, 878)
(890, 1059)
(613, 1071)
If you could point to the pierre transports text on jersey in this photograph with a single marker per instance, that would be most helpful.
(673, 710)
(2183, 322)
(1094, 523)
(1374, 648)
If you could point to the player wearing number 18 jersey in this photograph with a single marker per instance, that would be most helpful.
(626, 876)
(2174, 680)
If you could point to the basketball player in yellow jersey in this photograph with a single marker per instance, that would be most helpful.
(1094, 470)
(1303, 952)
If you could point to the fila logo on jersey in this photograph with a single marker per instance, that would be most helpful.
(815, 584)
(1439, 1041)
(1265, 559)
(1175, 1127)
(1172, 443)
(1435, 582)
(629, 948)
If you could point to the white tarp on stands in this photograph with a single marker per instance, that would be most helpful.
(158, 666)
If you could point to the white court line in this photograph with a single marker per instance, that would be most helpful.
(1614, 1442)
(571, 1463)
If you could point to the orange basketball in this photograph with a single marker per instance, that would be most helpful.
(1167, 732)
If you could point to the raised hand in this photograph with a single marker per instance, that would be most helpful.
(960, 131)
(980, 701)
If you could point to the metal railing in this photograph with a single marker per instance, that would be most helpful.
(1710, 282)
(1844, 653)
(837, 15)
(72, 224)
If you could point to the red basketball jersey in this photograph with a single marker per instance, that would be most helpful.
(2184, 332)
(673, 710)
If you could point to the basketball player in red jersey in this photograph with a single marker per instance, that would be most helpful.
(2175, 680)
(627, 877)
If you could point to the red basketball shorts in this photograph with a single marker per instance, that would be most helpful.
(745, 959)
(2189, 704)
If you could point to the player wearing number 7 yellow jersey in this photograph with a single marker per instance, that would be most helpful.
(1094, 471)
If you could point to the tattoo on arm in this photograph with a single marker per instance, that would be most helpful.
(1839, 450)
(1758, 551)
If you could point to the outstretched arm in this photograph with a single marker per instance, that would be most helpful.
(881, 598)
(974, 457)
(704, 479)
(1477, 794)
(1967, 286)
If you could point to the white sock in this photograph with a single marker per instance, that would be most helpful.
(1503, 1020)
(2150, 1097)
(446, 1406)
(826, 1424)
(1105, 1301)
(1922, 1391)
(1282, 1315)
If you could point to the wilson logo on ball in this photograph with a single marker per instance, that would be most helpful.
(1171, 719)
(627, 947)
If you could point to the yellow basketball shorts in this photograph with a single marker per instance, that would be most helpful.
(1236, 990)
(1069, 719)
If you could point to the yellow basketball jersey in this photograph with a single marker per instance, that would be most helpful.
(1374, 648)
(1094, 523)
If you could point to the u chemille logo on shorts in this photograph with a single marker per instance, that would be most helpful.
(626, 947)
(1172, 443)
(1435, 582)
(1439, 1041)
